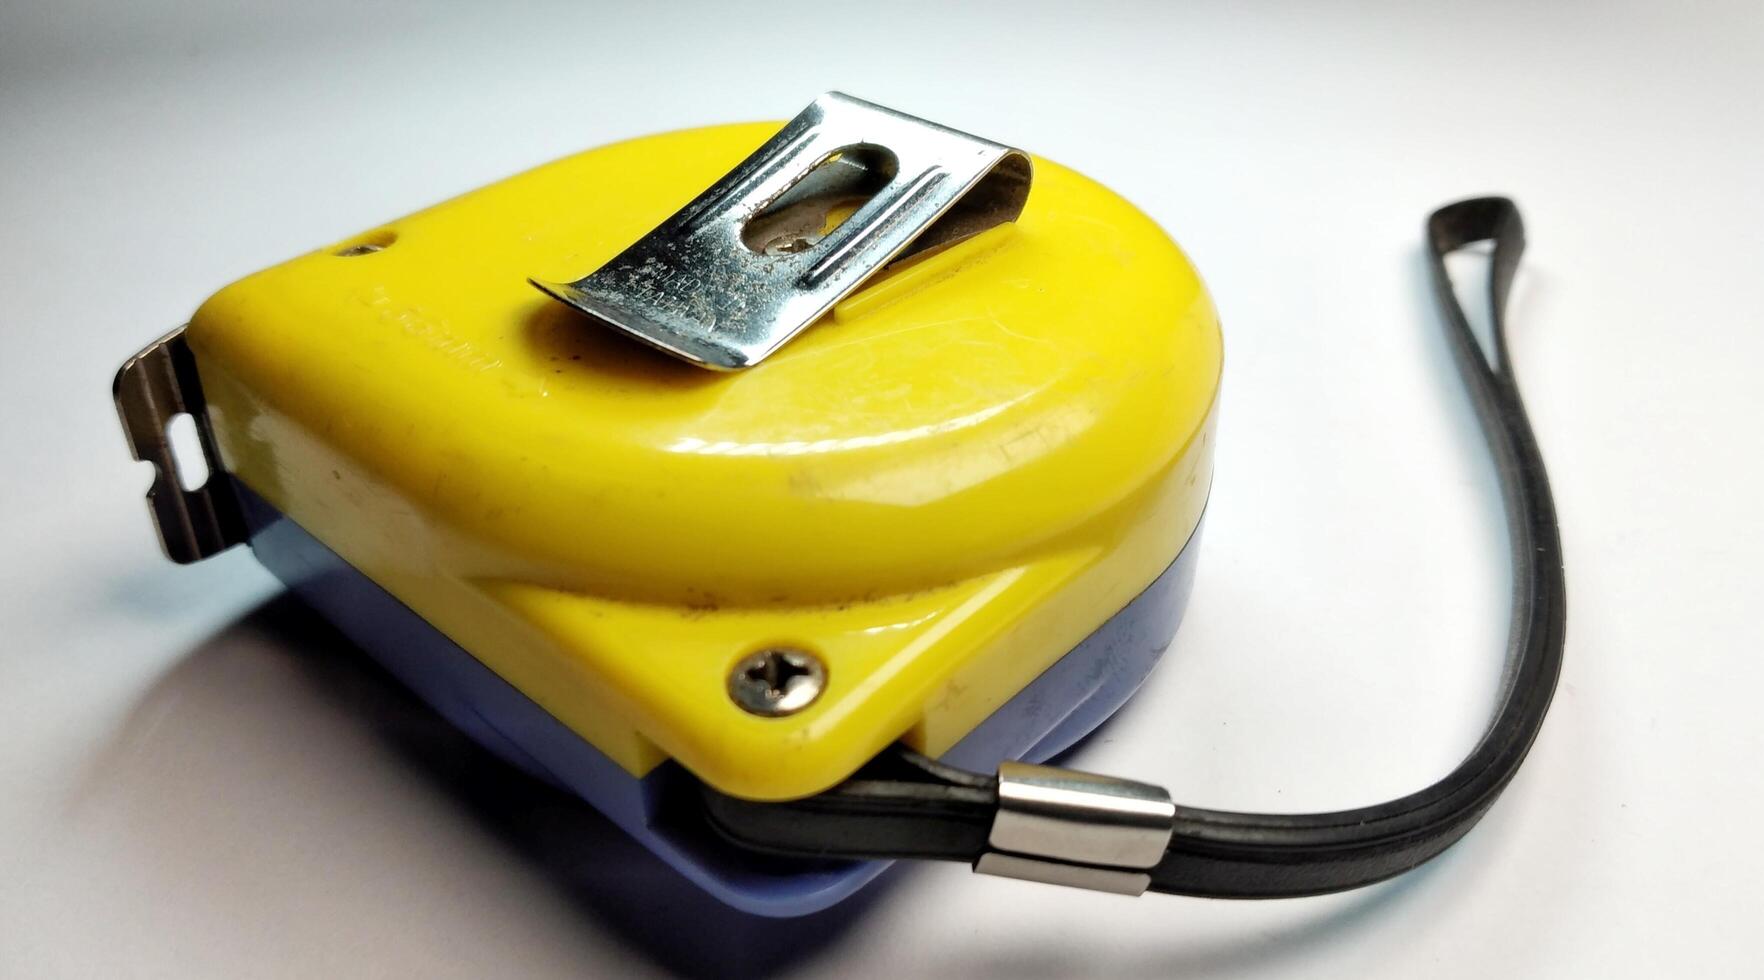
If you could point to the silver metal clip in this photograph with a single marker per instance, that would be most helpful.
(1075, 828)
(151, 389)
(762, 253)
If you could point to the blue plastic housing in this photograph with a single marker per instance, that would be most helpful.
(1063, 704)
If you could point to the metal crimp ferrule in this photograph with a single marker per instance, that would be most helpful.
(1065, 827)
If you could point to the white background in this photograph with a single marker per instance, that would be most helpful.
(197, 780)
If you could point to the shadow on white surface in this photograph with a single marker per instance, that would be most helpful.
(276, 767)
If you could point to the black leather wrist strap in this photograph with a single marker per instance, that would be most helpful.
(904, 805)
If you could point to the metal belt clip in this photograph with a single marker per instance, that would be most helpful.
(764, 252)
(1073, 828)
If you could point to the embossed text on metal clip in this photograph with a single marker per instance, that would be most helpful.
(762, 253)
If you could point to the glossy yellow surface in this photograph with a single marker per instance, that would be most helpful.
(940, 488)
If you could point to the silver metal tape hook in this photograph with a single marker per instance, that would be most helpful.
(841, 191)
(151, 389)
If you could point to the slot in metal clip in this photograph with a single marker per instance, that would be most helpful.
(763, 253)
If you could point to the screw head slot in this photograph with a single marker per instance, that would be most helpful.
(777, 681)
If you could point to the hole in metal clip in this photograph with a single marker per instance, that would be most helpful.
(367, 244)
(186, 451)
(821, 200)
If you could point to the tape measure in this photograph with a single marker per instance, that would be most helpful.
(762, 485)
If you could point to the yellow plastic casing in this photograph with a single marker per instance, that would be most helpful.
(939, 488)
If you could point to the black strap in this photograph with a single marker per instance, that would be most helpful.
(904, 805)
